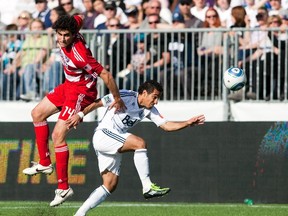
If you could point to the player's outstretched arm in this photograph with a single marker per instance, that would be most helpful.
(174, 126)
(74, 120)
(111, 85)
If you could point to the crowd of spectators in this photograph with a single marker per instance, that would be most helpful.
(139, 65)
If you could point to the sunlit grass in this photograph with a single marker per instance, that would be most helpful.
(138, 209)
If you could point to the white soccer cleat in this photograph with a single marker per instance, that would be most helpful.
(38, 168)
(61, 196)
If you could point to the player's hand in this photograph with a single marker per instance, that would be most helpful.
(196, 120)
(73, 121)
(119, 105)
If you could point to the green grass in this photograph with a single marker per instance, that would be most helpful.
(138, 209)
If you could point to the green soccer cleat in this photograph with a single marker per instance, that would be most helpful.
(156, 191)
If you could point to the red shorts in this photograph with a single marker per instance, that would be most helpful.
(71, 99)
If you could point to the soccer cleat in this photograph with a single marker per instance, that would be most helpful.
(61, 196)
(156, 191)
(38, 168)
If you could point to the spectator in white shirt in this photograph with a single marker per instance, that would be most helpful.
(199, 10)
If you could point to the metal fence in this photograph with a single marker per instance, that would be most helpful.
(173, 57)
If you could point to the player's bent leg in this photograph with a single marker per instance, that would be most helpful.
(141, 162)
(133, 143)
(43, 110)
(110, 180)
(39, 114)
(59, 133)
(61, 196)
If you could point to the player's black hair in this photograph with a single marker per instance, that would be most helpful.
(149, 86)
(66, 22)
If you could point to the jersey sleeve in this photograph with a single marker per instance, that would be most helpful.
(156, 117)
(79, 21)
(84, 58)
(107, 100)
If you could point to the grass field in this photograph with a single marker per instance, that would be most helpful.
(139, 209)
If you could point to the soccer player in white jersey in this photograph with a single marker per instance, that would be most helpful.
(111, 139)
(78, 91)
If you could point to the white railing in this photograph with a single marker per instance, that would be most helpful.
(186, 76)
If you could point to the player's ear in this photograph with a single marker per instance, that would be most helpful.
(145, 93)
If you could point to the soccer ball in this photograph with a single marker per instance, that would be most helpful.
(234, 78)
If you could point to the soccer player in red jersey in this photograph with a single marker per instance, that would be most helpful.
(77, 92)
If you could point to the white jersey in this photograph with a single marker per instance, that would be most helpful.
(123, 121)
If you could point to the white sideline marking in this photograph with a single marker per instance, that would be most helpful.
(146, 205)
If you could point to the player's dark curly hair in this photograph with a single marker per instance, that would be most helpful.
(149, 86)
(66, 22)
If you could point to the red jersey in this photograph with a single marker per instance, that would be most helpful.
(81, 72)
(79, 65)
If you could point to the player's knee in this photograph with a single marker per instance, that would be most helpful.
(38, 115)
(141, 144)
(35, 115)
(56, 137)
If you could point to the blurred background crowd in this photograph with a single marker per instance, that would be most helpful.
(133, 13)
(31, 66)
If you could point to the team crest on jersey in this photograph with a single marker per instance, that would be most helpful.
(87, 67)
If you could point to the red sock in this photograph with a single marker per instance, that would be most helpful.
(42, 136)
(62, 157)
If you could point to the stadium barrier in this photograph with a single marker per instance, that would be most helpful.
(187, 76)
(188, 79)
(214, 163)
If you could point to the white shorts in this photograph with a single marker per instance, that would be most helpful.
(106, 144)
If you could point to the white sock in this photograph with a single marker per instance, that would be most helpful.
(95, 199)
(141, 162)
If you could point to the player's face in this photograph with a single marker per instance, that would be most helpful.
(150, 99)
(64, 37)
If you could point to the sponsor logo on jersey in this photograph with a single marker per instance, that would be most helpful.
(128, 121)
